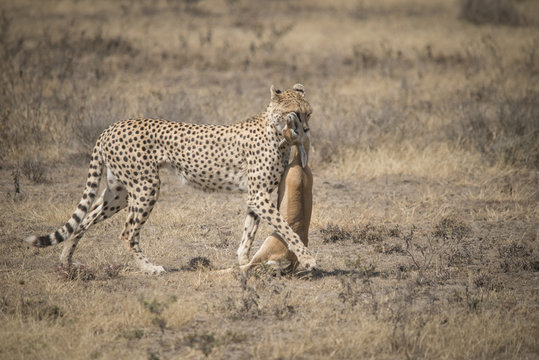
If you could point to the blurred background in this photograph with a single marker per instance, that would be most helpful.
(400, 77)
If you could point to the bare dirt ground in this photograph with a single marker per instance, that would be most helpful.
(425, 160)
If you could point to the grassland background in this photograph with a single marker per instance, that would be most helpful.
(425, 157)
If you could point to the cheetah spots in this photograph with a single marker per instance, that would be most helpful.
(59, 238)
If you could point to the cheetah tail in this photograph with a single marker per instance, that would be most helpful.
(71, 226)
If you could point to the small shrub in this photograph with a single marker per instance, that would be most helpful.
(388, 248)
(160, 322)
(40, 310)
(369, 234)
(348, 293)
(487, 281)
(518, 255)
(282, 310)
(113, 270)
(451, 228)
(199, 263)
(15, 175)
(456, 254)
(334, 233)
(247, 304)
(395, 232)
(154, 306)
(79, 272)
(499, 12)
(358, 291)
(367, 269)
(133, 334)
(473, 300)
(204, 342)
(35, 170)
(49, 312)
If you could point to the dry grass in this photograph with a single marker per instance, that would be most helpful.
(425, 156)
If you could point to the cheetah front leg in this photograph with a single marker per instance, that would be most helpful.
(249, 231)
(264, 208)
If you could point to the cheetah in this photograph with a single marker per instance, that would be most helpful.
(247, 156)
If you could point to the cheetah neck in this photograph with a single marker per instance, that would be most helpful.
(270, 117)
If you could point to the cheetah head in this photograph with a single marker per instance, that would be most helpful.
(283, 105)
(290, 101)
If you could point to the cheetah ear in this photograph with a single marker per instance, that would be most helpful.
(275, 93)
(299, 88)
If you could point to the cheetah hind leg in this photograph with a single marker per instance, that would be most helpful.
(112, 200)
(139, 209)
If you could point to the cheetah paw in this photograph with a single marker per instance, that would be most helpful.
(309, 263)
(155, 270)
(243, 258)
